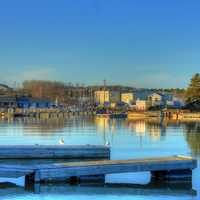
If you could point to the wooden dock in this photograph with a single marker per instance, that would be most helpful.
(164, 168)
(54, 152)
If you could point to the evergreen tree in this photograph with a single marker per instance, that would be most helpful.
(193, 90)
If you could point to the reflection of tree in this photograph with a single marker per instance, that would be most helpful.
(41, 126)
(193, 137)
(50, 126)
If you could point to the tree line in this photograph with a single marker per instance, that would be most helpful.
(65, 92)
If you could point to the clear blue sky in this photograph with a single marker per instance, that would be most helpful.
(143, 43)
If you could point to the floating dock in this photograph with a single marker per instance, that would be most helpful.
(164, 168)
(54, 152)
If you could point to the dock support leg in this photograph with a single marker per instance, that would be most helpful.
(37, 176)
(172, 175)
(29, 179)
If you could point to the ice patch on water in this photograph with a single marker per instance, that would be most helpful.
(135, 178)
(17, 181)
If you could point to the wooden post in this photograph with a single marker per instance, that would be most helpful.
(37, 176)
(29, 179)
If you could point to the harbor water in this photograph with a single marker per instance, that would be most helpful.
(128, 139)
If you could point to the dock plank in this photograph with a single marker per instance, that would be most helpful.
(15, 171)
(54, 151)
(181, 167)
(58, 171)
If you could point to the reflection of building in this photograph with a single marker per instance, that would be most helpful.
(154, 132)
(102, 124)
(151, 128)
(140, 128)
(127, 98)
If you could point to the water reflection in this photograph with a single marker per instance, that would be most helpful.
(129, 139)
(154, 129)
(193, 137)
(165, 189)
(47, 125)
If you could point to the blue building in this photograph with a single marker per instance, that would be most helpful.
(28, 102)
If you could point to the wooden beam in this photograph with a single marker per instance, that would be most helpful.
(176, 166)
(57, 171)
(54, 152)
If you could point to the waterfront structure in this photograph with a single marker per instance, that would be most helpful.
(127, 98)
(7, 102)
(28, 102)
(178, 168)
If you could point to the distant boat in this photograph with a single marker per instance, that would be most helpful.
(61, 141)
(103, 113)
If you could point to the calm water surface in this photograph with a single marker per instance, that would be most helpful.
(128, 139)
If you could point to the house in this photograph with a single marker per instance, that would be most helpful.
(127, 98)
(107, 97)
(4, 87)
(164, 100)
(175, 102)
(142, 105)
(28, 102)
(156, 99)
(147, 99)
(7, 102)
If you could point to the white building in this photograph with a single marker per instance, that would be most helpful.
(127, 97)
(156, 99)
(142, 105)
(106, 96)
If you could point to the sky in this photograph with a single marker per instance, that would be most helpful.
(140, 43)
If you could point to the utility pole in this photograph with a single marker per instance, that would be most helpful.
(104, 89)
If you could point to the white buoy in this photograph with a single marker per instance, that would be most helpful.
(61, 141)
